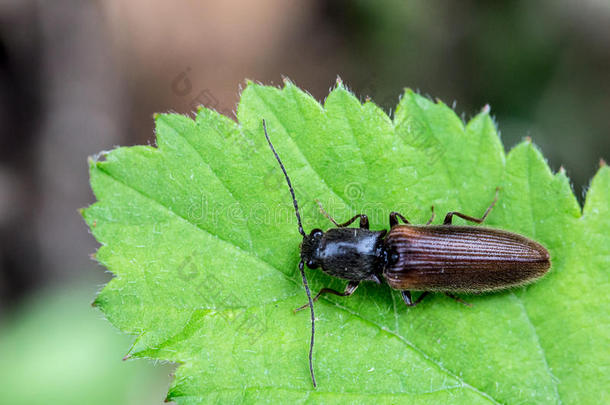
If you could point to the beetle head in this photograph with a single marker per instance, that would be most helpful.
(310, 248)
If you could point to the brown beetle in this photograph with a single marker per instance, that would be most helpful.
(444, 258)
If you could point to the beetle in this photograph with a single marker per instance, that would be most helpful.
(428, 258)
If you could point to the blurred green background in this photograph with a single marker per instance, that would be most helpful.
(80, 77)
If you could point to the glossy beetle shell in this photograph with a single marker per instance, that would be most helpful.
(450, 258)
(354, 254)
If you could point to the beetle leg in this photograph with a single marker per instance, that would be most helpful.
(458, 299)
(349, 290)
(375, 278)
(364, 220)
(406, 296)
(449, 216)
(394, 219)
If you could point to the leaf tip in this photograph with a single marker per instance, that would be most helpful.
(127, 357)
(440, 102)
(528, 139)
(98, 302)
(486, 109)
(602, 163)
(92, 161)
(97, 158)
(409, 91)
(287, 82)
(249, 83)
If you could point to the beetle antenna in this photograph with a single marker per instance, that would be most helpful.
(313, 322)
(301, 264)
(294, 199)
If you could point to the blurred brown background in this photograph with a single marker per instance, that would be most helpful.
(80, 77)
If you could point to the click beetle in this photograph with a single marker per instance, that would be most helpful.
(428, 258)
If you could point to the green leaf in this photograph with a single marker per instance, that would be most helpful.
(201, 236)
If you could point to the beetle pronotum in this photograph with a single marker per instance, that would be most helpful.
(428, 258)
